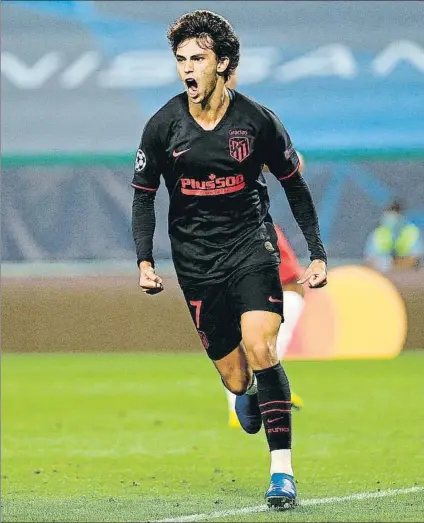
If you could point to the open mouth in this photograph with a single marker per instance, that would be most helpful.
(191, 86)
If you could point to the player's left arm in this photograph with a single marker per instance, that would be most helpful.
(303, 209)
(283, 162)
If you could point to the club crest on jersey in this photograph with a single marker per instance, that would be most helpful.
(239, 145)
(140, 161)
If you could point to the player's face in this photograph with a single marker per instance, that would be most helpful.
(198, 68)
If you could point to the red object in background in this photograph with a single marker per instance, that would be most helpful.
(290, 268)
(313, 336)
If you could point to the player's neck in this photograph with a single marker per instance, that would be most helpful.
(210, 113)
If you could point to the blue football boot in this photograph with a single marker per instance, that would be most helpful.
(282, 492)
(248, 413)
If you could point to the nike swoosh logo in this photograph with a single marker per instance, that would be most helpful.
(274, 300)
(273, 420)
(175, 154)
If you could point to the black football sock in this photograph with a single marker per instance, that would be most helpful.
(275, 406)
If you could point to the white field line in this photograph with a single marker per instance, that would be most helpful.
(303, 503)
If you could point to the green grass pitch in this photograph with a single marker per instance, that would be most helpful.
(131, 438)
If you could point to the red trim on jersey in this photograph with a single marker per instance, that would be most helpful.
(144, 188)
(289, 268)
(291, 174)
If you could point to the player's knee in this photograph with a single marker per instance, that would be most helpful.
(237, 383)
(262, 355)
(238, 388)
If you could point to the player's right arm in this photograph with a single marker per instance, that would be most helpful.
(147, 170)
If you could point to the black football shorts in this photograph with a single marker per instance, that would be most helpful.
(216, 309)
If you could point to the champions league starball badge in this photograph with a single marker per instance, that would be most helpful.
(140, 161)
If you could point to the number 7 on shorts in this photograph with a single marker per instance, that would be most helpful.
(198, 305)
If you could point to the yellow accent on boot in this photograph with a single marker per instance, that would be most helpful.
(297, 401)
(233, 421)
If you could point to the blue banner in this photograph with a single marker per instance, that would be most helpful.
(85, 76)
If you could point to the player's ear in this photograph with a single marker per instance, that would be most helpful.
(223, 63)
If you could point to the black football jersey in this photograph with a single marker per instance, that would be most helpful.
(218, 199)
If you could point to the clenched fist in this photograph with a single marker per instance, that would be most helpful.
(149, 282)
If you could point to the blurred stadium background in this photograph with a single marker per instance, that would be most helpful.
(79, 81)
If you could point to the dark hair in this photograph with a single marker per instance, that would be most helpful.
(395, 206)
(202, 24)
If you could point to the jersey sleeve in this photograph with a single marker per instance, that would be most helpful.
(280, 155)
(149, 159)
